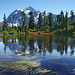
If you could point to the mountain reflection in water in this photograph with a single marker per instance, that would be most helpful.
(38, 44)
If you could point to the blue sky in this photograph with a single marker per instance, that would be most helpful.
(54, 6)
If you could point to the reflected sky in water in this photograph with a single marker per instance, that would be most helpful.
(51, 51)
(41, 44)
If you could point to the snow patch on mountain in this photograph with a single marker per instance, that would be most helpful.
(15, 17)
(20, 10)
(27, 11)
(10, 24)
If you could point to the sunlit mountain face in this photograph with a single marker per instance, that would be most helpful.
(16, 16)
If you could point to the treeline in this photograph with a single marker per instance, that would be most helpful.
(45, 23)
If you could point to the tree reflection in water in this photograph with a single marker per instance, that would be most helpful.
(32, 44)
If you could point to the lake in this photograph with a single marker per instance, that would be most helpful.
(37, 55)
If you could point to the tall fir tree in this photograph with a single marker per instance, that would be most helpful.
(62, 20)
(24, 18)
(44, 14)
(50, 17)
(21, 27)
(72, 16)
(31, 20)
(12, 24)
(40, 21)
(66, 21)
(58, 19)
(62, 14)
(5, 25)
(45, 21)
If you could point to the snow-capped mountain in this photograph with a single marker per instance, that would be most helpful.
(16, 16)
(35, 13)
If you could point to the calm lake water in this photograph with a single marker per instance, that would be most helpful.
(37, 55)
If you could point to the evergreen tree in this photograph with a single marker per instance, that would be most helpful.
(40, 21)
(45, 21)
(72, 16)
(50, 17)
(24, 18)
(5, 25)
(21, 28)
(62, 14)
(62, 19)
(44, 14)
(12, 25)
(58, 19)
(66, 20)
(31, 20)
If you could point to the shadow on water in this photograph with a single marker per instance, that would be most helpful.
(37, 54)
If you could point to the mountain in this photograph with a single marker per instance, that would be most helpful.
(35, 13)
(16, 17)
(1, 24)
